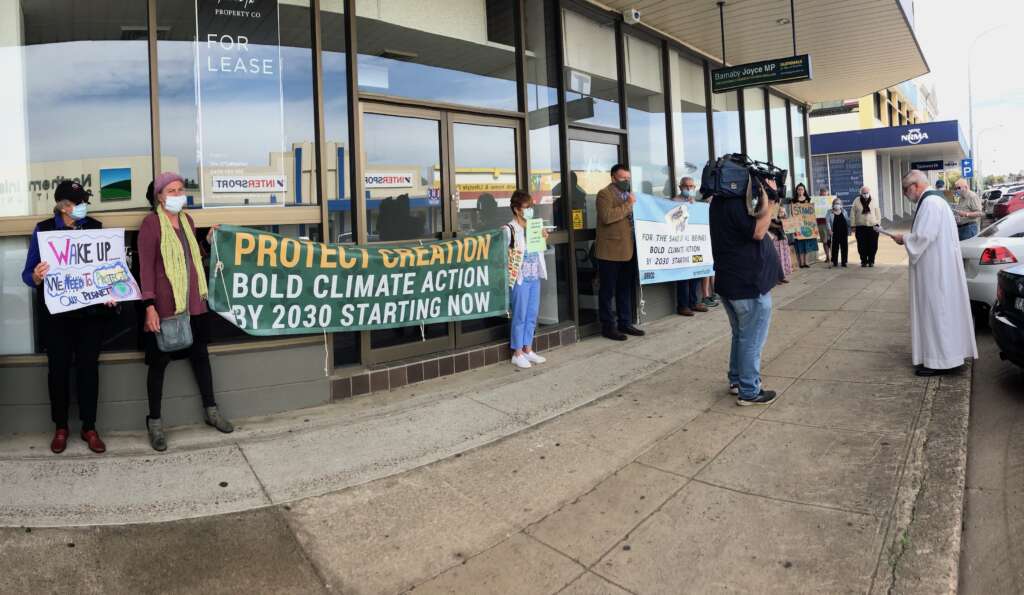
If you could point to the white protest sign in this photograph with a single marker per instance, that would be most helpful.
(87, 267)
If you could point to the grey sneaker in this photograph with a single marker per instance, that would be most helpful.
(214, 418)
(157, 438)
(766, 397)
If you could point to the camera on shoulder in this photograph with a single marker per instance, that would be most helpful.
(737, 176)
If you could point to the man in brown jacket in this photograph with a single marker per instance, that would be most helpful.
(616, 262)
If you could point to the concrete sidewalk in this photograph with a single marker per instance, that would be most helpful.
(616, 468)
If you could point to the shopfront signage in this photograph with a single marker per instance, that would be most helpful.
(927, 165)
(267, 284)
(673, 239)
(389, 180)
(250, 184)
(967, 168)
(914, 136)
(87, 267)
(765, 72)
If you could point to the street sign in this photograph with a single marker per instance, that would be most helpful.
(927, 165)
(967, 168)
(765, 72)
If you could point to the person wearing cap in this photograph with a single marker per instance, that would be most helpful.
(69, 337)
(173, 282)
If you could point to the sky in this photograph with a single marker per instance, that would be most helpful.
(946, 30)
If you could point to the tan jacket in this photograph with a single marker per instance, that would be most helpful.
(614, 230)
(969, 201)
(858, 218)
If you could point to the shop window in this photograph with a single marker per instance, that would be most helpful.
(878, 106)
(75, 106)
(647, 124)
(689, 115)
(799, 172)
(337, 190)
(591, 75)
(236, 102)
(459, 51)
(545, 159)
(726, 119)
(780, 133)
(754, 124)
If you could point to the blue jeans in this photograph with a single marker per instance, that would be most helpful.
(750, 320)
(525, 306)
(968, 231)
(688, 293)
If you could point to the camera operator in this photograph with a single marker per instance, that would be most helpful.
(746, 269)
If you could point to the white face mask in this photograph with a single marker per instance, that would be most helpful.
(528, 213)
(79, 212)
(174, 204)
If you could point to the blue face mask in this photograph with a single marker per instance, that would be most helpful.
(175, 204)
(528, 213)
(689, 194)
(80, 211)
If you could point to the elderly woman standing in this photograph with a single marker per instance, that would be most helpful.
(864, 216)
(174, 284)
(839, 230)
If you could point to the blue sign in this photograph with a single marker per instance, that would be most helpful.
(888, 137)
(967, 168)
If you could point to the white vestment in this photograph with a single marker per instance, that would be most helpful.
(941, 326)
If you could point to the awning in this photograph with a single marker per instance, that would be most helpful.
(932, 140)
(857, 46)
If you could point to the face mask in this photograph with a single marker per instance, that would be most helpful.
(78, 213)
(865, 194)
(689, 194)
(622, 185)
(175, 204)
(528, 213)
(836, 208)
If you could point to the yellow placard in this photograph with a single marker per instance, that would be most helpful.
(577, 218)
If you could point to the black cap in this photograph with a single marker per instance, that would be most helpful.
(71, 190)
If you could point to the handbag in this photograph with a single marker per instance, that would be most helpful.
(175, 333)
(515, 258)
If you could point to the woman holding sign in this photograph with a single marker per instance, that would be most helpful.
(804, 247)
(174, 294)
(73, 336)
(526, 268)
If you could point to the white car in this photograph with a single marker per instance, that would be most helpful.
(997, 247)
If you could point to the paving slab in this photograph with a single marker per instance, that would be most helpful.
(990, 562)
(840, 365)
(896, 343)
(518, 565)
(707, 540)
(726, 404)
(694, 445)
(250, 552)
(612, 509)
(591, 584)
(852, 471)
(879, 408)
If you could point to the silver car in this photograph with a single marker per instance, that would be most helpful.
(997, 247)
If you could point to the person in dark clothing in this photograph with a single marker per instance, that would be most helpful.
(746, 269)
(839, 230)
(70, 338)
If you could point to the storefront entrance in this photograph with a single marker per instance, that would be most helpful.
(591, 157)
(433, 174)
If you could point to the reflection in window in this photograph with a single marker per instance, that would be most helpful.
(75, 103)
(336, 160)
(780, 134)
(455, 52)
(591, 78)
(542, 120)
(485, 174)
(648, 141)
(689, 116)
(799, 146)
(236, 102)
(755, 124)
(590, 165)
(726, 120)
(546, 176)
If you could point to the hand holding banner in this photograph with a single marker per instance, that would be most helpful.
(673, 239)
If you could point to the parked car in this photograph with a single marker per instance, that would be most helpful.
(1007, 316)
(1008, 204)
(997, 247)
(992, 196)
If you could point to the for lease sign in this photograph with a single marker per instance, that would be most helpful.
(250, 184)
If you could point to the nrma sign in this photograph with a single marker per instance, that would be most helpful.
(914, 136)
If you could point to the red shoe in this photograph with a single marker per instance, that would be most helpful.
(93, 439)
(60, 441)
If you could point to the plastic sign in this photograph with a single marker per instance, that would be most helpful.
(765, 72)
(967, 168)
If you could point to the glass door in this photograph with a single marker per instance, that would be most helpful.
(485, 154)
(404, 178)
(591, 157)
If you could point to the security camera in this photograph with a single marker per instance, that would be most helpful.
(631, 15)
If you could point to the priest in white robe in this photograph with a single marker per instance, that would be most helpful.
(941, 326)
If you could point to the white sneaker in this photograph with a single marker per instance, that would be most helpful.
(521, 361)
(535, 358)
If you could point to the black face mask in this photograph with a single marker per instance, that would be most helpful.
(622, 185)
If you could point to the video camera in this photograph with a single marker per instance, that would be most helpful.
(737, 176)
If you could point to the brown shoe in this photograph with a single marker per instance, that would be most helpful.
(685, 312)
(60, 441)
(700, 308)
(93, 440)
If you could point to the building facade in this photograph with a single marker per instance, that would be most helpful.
(358, 121)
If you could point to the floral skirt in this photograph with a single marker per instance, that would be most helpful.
(785, 258)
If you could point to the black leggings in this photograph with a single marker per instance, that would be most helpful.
(197, 356)
(73, 338)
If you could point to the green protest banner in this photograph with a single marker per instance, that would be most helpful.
(267, 284)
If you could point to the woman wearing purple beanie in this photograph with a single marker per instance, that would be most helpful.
(174, 294)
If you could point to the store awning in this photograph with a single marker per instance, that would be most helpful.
(857, 46)
(932, 140)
